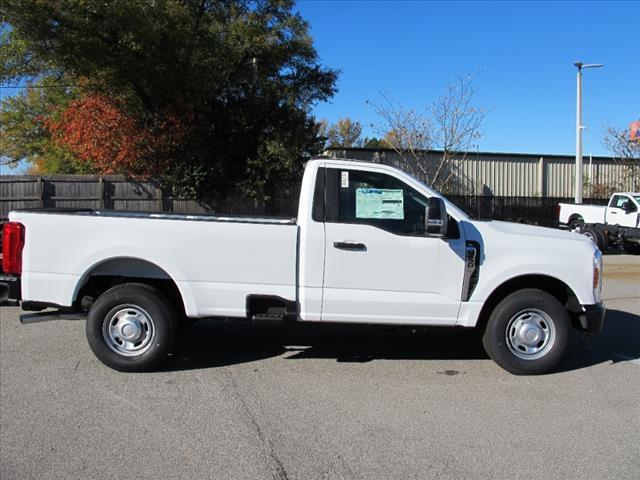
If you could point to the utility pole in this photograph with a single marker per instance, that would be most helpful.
(580, 127)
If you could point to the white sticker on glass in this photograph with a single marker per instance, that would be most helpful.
(345, 179)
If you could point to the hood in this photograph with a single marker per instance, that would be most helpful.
(533, 230)
(529, 231)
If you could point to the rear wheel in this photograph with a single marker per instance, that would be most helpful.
(131, 327)
(596, 236)
(527, 332)
(576, 222)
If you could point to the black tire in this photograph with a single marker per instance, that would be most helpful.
(596, 237)
(576, 221)
(603, 240)
(606, 242)
(147, 313)
(632, 248)
(517, 314)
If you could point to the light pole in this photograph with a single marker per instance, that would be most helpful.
(579, 127)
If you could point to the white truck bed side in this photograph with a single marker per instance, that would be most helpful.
(589, 213)
(215, 264)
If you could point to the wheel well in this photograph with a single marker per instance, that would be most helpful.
(576, 217)
(117, 271)
(553, 286)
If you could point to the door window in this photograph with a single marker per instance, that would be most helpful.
(618, 201)
(379, 200)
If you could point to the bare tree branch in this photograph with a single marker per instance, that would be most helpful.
(450, 124)
(626, 152)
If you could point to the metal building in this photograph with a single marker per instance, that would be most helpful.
(513, 174)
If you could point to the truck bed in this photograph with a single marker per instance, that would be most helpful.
(165, 216)
(588, 213)
(215, 261)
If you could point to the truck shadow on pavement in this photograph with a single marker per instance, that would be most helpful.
(619, 341)
(211, 344)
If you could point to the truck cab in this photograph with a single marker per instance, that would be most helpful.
(378, 260)
(623, 209)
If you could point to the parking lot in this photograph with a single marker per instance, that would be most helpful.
(253, 402)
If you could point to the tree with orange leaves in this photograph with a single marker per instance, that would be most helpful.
(99, 132)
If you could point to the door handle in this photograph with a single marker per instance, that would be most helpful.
(613, 213)
(350, 246)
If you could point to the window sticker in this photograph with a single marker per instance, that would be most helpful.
(380, 203)
(344, 179)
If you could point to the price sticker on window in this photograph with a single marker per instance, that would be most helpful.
(380, 203)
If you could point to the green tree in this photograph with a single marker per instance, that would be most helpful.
(239, 76)
(345, 133)
(23, 133)
(374, 142)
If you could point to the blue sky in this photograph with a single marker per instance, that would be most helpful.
(526, 50)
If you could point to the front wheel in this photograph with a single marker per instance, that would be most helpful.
(527, 332)
(131, 327)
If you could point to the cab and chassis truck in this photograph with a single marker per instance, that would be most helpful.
(614, 224)
(370, 245)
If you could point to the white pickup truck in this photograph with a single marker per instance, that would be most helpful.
(617, 223)
(370, 245)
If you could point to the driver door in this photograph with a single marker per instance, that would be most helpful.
(622, 211)
(380, 267)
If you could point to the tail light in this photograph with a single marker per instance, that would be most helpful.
(12, 244)
(597, 271)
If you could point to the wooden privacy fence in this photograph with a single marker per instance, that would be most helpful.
(119, 193)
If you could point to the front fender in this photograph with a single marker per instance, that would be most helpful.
(579, 280)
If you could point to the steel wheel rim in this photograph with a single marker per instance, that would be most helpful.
(530, 334)
(590, 236)
(129, 331)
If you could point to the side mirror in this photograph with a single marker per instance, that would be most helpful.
(435, 219)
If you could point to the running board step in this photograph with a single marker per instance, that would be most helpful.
(273, 314)
(48, 316)
(269, 317)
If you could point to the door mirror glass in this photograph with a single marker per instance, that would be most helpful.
(435, 218)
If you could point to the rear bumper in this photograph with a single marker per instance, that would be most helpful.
(10, 294)
(592, 318)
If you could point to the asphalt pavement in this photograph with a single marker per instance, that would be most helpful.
(324, 402)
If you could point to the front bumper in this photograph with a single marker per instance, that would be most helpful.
(592, 318)
(9, 290)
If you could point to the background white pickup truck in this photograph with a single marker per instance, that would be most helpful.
(370, 245)
(617, 223)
